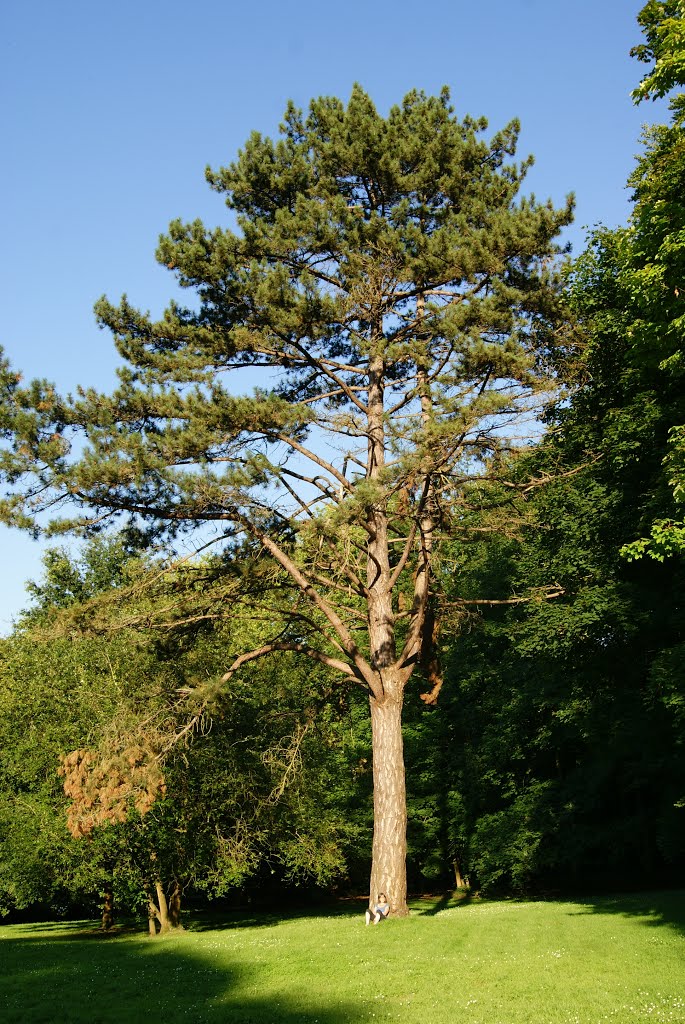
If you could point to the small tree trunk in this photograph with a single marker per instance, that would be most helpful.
(152, 915)
(175, 904)
(458, 877)
(163, 912)
(389, 865)
(108, 908)
(167, 914)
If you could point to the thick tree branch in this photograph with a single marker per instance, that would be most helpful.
(259, 652)
(349, 645)
(544, 594)
(316, 459)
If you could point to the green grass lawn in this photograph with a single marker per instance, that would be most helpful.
(617, 959)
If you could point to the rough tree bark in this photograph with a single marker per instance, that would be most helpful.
(388, 870)
(388, 866)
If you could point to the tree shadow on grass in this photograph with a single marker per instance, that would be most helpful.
(448, 901)
(67, 978)
(59, 927)
(656, 909)
(209, 920)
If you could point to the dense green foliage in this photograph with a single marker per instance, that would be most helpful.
(258, 788)
(568, 762)
(566, 765)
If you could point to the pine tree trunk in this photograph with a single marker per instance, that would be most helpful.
(389, 865)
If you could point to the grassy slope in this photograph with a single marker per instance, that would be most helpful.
(619, 960)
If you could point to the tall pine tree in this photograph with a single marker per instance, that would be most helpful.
(396, 299)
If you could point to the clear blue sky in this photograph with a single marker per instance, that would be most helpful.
(110, 113)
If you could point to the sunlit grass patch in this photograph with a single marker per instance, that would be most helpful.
(503, 962)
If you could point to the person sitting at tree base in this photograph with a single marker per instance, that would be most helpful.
(379, 911)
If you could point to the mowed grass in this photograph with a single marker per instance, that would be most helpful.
(479, 962)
